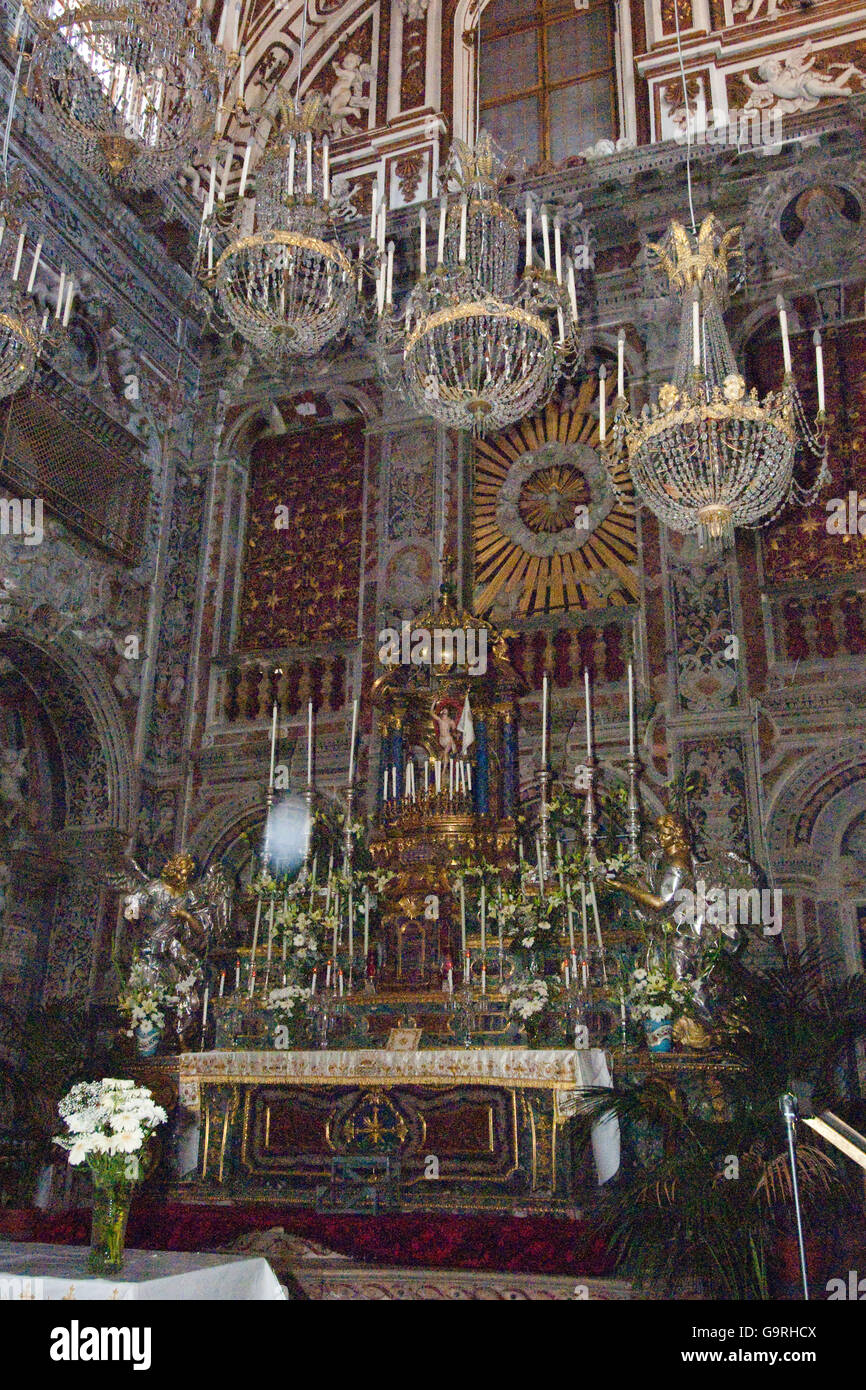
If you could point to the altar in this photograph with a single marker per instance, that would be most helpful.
(461, 1127)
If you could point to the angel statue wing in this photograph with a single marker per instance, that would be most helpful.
(214, 894)
(128, 877)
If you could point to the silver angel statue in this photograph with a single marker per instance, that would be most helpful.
(692, 907)
(177, 920)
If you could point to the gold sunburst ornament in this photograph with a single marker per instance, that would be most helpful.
(709, 456)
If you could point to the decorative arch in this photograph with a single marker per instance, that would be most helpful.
(87, 722)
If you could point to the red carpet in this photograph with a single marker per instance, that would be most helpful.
(528, 1245)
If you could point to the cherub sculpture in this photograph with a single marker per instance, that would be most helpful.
(177, 920)
(346, 98)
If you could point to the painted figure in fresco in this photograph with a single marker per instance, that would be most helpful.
(177, 919)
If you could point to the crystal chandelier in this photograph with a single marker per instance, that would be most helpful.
(131, 88)
(284, 282)
(477, 344)
(24, 327)
(709, 455)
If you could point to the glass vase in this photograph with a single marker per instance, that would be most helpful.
(112, 1197)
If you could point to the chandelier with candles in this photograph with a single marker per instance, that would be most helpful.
(708, 455)
(284, 281)
(478, 343)
(24, 326)
(132, 88)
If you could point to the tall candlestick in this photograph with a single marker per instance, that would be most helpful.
(254, 946)
(309, 743)
(630, 710)
(443, 215)
(588, 713)
(783, 324)
(620, 363)
(273, 745)
(544, 721)
(819, 368)
(602, 405)
(352, 743)
(422, 263)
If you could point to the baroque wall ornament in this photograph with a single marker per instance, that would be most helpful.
(548, 533)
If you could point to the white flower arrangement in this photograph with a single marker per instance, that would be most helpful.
(145, 997)
(109, 1122)
(654, 996)
(290, 1000)
(529, 998)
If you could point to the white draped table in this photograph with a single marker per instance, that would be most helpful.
(59, 1272)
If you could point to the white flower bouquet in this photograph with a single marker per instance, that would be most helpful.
(654, 995)
(145, 997)
(109, 1122)
(290, 1001)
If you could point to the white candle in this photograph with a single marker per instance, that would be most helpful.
(696, 329)
(540, 863)
(443, 214)
(389, 279)
(336, 928)
(783, 324)
(328, 976)
(19, 253)
(483, 978)
(450, 980)
(483, 917)
(366, 920)
(309, 163)
(394, 781)
(544, 722)
(819, 368)
(545, 237)
(466, 968)
(383, 214)
(352, 743)
(309, 743)
(326, 169)
(437, 770)
(583, 920)
(572, 292)
(557, 248)
(70, 295)
(341, 984)
(426, 778)
(469, 776)
(242, 71)
(245, 169)
(237, 972)
(60, 291)
(222, 984)
(450, 779)
(35, 266)
(567, 975)
(620, 363)
(570, 917)
(528, 232)
(351, 910)
(463, 209)
(211, 192)
(221, 30)
(224, 181)
(18, 20)
(385, 786)
(630, 710)
(588, 714)
(313, 982)
(602, 405)
(462, 917)
(270, 932)
(292, 166)
(204, 1008)
(423, 252)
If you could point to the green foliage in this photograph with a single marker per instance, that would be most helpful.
(712, 1182)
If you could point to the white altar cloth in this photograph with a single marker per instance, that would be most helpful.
(55, 1272)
